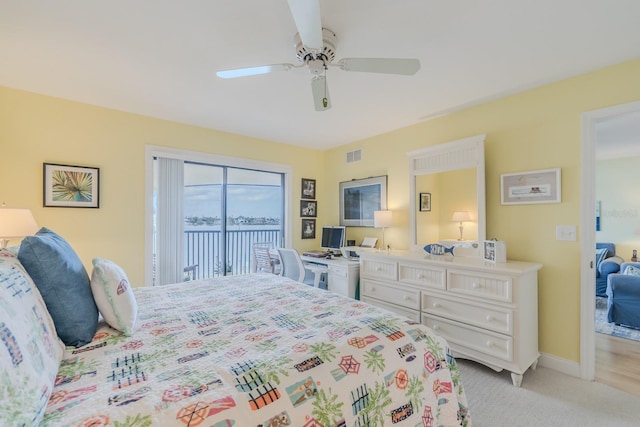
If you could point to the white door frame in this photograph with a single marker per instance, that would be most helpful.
(588, 233)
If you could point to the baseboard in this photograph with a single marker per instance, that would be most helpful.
(565, 366)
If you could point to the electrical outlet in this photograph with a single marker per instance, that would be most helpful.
(566, 232)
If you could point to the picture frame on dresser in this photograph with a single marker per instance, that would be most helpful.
(69, 186)
(494, 251)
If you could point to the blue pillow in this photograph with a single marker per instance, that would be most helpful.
(600, 254)
(64, 285)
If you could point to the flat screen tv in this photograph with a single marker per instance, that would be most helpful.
(333, 237)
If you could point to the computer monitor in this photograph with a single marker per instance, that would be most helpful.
(333, 237)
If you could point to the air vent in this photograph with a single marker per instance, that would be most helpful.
(354, 156)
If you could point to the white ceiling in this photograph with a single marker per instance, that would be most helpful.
(158, 58)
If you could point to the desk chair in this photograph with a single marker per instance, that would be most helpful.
(294, 268)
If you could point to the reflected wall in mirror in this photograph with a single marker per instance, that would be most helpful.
(453, 172)
(452, 191)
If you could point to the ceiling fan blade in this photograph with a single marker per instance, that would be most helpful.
(320, 91)
(404, 66)
(306, 15)
(253, 71)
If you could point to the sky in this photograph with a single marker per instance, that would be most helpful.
(243, 200)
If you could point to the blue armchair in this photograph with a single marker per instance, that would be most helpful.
(610, 264)
(623, 297)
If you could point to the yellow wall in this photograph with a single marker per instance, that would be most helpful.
(35, 129)
(537, 129)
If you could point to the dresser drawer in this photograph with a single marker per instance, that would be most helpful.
(476, 339)
(402, 311)
(400, 295)
(495, 319)
(379, 269)
(430, 277)
(499, 288)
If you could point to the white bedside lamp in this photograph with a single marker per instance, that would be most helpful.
(461, 217)
(15, 223)
(382, 219)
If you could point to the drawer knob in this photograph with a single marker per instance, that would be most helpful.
(435, 327)
(475, 285)
(490, 318)
(407, 298)
(420, 276)
(436, 305)
(489, 344)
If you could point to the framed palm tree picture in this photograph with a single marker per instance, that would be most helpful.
(69, 186)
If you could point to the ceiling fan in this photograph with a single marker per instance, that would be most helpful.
(315, 48)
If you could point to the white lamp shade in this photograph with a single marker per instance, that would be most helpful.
(381, 219)
(461, 216)
(15, 223)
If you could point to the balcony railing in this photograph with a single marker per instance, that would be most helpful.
(203, 248)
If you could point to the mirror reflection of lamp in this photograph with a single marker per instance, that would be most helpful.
(382, 219)
(461, 217)
(15, 223)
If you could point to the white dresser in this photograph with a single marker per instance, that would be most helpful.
(487, 312)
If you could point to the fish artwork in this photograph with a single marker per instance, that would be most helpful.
(438, 249)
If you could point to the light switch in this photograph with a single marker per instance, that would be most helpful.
(566, 232)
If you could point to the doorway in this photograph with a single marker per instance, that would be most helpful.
(590, 122)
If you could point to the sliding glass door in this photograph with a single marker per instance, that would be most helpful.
(223, 211)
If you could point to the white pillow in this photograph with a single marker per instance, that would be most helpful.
(632, 271)
(114, 296)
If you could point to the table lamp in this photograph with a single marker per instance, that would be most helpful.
(461, 217)
(15, 223)
(382, 219)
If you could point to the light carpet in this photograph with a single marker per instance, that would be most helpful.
(546, 398)
(610, 328)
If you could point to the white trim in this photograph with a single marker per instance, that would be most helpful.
(588, 233)
(559, 364)
(152, 151)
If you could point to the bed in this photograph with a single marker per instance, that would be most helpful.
(250, 350)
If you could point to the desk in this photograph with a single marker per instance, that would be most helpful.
(343, 275)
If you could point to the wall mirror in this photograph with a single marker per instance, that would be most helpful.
(453, 174)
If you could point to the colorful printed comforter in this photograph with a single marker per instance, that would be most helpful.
(259, 350)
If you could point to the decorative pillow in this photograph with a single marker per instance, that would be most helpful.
(64, 284)
(30, 351)
(632, 271)
(114, 296)
(600, 254)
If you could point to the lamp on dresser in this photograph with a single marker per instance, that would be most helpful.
(382, 219)
(15, 223)
(461, 217)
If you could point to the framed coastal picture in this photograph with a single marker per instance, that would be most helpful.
(360, 198)
(539, 186)
(308, 208)
(425, 202)
(308, 228)
(68, 186)
(308, 188)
